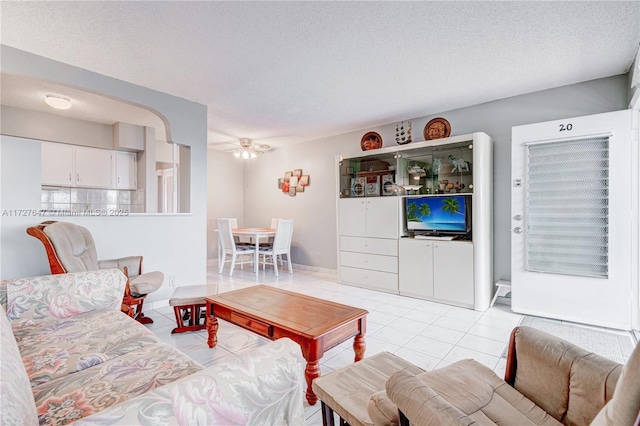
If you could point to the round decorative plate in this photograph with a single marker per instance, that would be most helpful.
(371, 140)
(436, 129)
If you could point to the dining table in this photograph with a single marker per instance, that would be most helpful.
(255, 234)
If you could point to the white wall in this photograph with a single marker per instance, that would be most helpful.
(54, 128)
(175, 245)
(224, 193)
(314, 238)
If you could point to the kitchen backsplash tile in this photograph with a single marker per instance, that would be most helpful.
(78, 200)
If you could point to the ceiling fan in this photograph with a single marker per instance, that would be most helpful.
(248, 150)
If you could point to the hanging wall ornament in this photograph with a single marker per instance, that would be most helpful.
(403, 133)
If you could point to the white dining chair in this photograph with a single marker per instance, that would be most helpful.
(236, 238)
(229, 247)
(281, 245)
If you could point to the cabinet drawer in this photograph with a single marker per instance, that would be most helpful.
(252, 324)
(369, 245)
(371, 279)
(369, 261)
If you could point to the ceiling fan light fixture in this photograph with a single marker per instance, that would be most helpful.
(247, 150)
(58, 102)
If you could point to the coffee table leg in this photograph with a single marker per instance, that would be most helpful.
(212, 329)
(311, 372)
(359, 347)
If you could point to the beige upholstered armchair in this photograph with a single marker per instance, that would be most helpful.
(548, 381)
(71, 248)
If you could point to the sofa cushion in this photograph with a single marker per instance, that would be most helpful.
(625, 404)
(55, 348)
(69, 398)
(260, 386)
(62, 296)
(574, 383)
(479, 393)
(17, 405)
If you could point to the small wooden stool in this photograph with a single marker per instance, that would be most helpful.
(188, 303)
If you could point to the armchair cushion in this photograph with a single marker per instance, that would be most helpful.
(624, 406)
(62, 296)
(418, 401)
(133, 264)
(566, 381)
(146, 283)
(74, 246)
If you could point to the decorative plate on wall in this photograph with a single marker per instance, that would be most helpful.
(436, 129)
(371, 140)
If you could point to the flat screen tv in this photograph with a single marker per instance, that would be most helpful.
(439, 214)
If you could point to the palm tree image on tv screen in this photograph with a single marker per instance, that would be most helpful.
(437, 214)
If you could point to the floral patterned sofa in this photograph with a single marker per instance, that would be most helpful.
(70, 355)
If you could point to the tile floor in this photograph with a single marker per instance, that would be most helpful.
(429, 334)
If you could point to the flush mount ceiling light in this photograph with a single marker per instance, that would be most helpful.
(58, 102)
(247, 150)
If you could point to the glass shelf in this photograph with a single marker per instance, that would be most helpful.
(438, 169)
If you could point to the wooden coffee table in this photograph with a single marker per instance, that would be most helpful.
(317, 325)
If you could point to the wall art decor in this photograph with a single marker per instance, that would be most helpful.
(293, 182)
(371, 140)
(436, 129)
(403, 133)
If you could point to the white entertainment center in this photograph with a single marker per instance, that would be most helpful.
(416, 220)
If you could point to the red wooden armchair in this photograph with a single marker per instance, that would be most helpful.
(71, 248)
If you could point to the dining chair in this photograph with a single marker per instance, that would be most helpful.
(269, 240)
(229, 247)
(281, 245)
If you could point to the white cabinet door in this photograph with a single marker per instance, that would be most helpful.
(57, 164)
(94, 168)
(125, 170)
(416, 268)
(353, 215)
(453, 272)
(382, 217)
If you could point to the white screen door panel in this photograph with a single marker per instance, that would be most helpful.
(571, 216)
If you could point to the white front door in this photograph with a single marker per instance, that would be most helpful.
(571, 219)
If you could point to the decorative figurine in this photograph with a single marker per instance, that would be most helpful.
(458, 164)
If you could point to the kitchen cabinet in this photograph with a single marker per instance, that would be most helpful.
(93, 168)
(77, 166)
(125, 170)
(57, 164)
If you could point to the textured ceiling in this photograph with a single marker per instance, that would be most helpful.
(288, 72)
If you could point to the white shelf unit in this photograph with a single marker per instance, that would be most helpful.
(374, 249)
